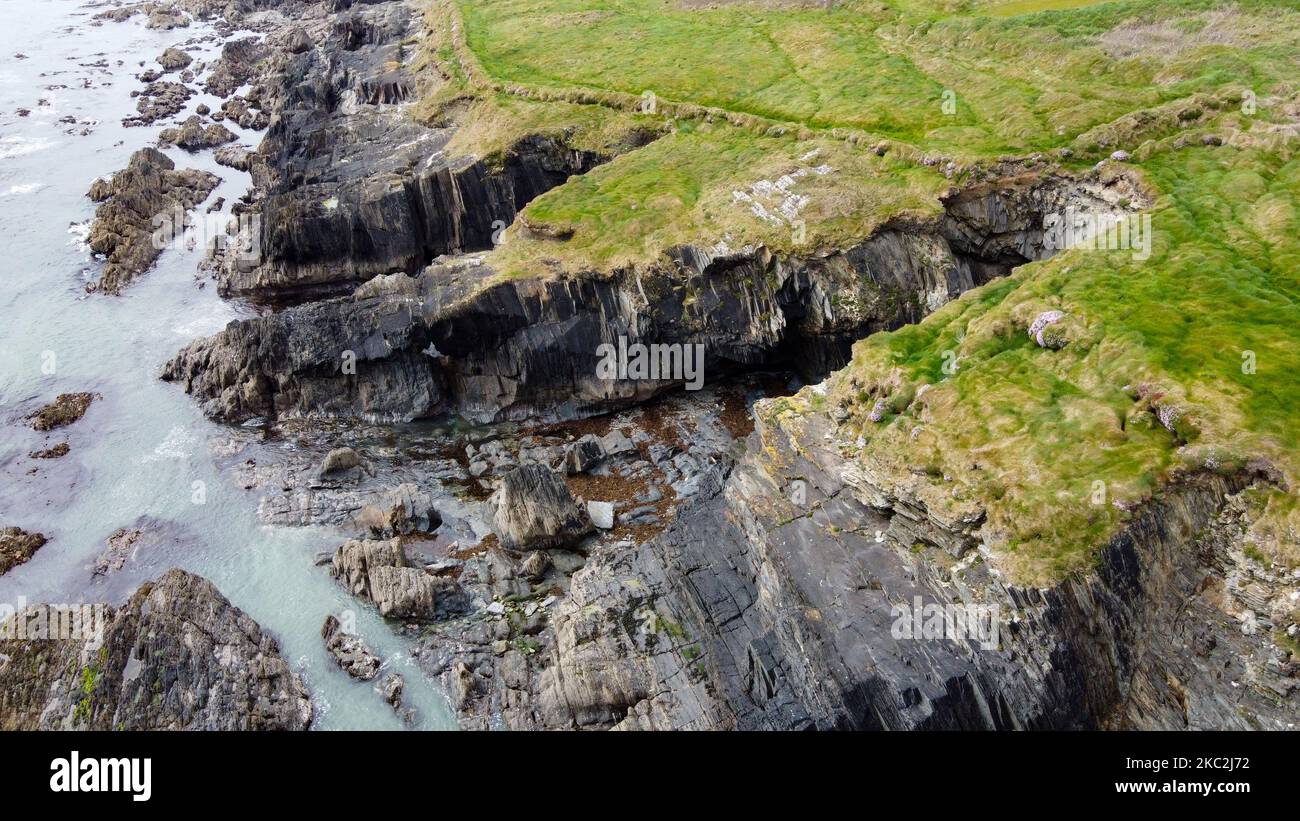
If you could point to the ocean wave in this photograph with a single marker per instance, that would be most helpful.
(11, 147)
(24, 188)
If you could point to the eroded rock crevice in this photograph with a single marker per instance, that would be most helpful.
(458, 339)
(348, 185)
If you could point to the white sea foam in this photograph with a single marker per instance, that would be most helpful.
(24, 188)
(179, 444)
(11, 147)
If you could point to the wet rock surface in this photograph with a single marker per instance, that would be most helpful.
(125, 223)
(17, 546)
(234, 156)
(159, 100)
(176, 656)
(174, 59)
(56, 452)
(193, 135)
(66, 409)
(351, 653)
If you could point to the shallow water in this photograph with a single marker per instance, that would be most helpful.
(142, 448)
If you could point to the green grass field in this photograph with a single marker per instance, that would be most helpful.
(749, 91)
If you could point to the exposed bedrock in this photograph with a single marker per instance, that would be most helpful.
(378, 571)
(137, 215)
(348, 185)
(457, 339)
(754, 611)
(176, 656)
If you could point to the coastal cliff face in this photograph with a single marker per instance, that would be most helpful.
(458, 339)
(349, 185)
(756, 579)
(756, 612)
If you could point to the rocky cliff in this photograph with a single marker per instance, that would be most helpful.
(176, 656)
(456, 338)
(755, 611)
(773, 597)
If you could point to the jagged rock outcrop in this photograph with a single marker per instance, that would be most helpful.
(455, 340)
(177, 656)
(63, 411)
(237, 65)
(533, 508)
(377, 571)
(17, 546)
(240, 110)
(756, 610)
(402, 511)
(234, 156)
(174, 59)
(159, 100)
(392, 689)
(193, 135)
(347, 184)
(136, 204)
(350, 652)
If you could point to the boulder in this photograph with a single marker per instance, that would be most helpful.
(376, 571)
(402, 511)
(173, 59)
(234, 156)
(535, 565)
(296, 41)
(392, 690)
(533, 508)
(355, 558)
(349, 651)
(616, 442)
(404, 592)
(602, 514)
(340, 459)
(17, 546)
(241, 111)
(167, 18)
(64, 410)
(584, 454)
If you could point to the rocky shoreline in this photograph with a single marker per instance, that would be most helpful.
(602, 553)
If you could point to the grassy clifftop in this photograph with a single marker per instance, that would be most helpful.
(793, 124)
(1181, 362)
